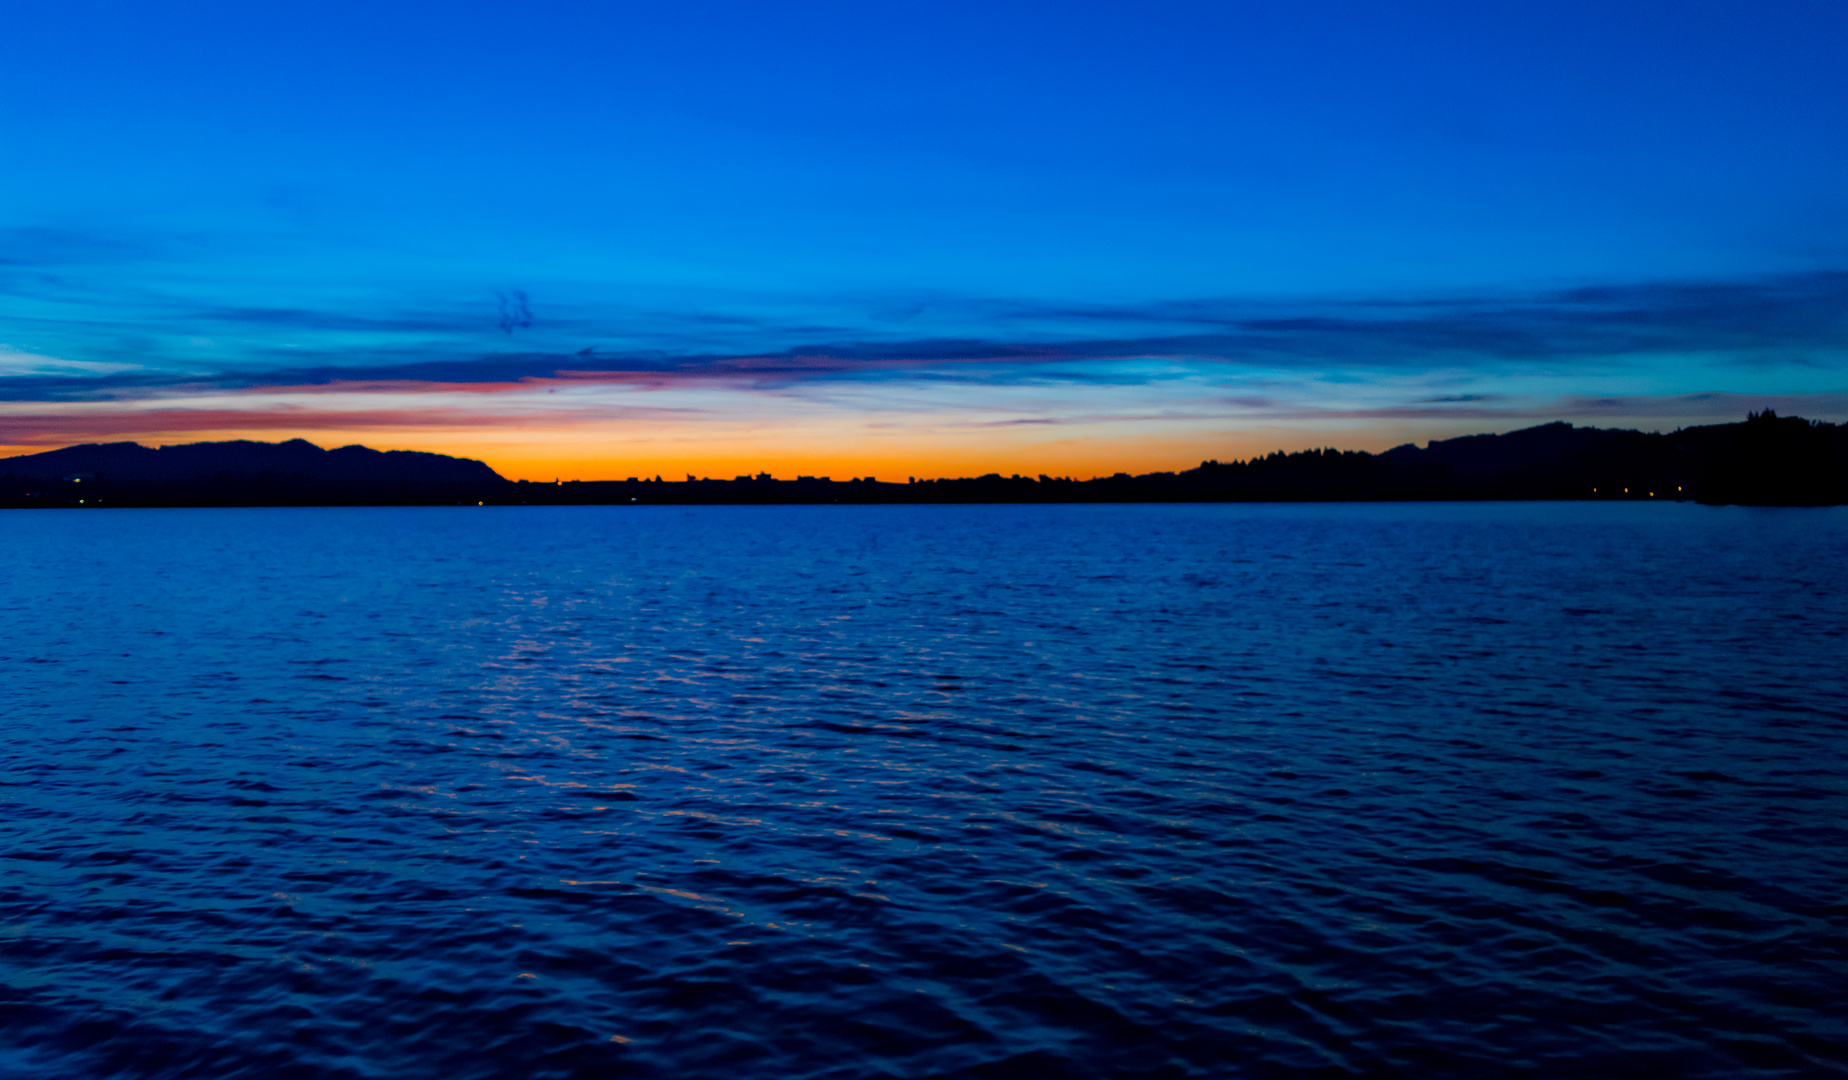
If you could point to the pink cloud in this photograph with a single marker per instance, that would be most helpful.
(62, 428)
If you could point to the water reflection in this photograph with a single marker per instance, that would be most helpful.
(1086, 791)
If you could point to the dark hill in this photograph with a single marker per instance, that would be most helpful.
(1767, 460)
(241, 473)
(132, 463)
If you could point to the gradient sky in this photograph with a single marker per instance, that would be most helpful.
(604, 240)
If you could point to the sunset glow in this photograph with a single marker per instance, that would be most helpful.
(610, 242)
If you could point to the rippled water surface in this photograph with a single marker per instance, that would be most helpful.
(1083, 791)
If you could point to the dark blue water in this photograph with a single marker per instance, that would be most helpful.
(1052, 791)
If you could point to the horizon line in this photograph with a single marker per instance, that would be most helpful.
(765, 474)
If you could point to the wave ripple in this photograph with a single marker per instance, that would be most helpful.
(844, 792)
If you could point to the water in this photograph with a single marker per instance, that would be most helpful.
(844, 792)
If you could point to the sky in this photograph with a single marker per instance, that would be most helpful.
(600, 240)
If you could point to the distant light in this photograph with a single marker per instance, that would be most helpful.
(478, 503)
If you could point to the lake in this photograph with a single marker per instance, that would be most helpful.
(1421, 790)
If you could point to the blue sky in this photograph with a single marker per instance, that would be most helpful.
(595, 237)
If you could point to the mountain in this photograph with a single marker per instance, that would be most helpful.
(242, 473)
(132, 463)
(1767, 460)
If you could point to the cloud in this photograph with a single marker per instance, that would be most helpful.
(1715, 406)
(1793, 319)
(515, 311)
(1800, 311)
(90, 424)
(49, 248)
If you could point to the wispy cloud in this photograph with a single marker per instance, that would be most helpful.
(1712, 406)
(96, 349)
(43, 247)
(160, 340)
(62, 427)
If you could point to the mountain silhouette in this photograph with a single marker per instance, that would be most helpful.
(1767, 460)
(241, 473)
(132, 463)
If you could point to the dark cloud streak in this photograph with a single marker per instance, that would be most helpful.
(1797, 318)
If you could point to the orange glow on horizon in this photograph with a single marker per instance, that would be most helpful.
(546, 437)
(574, 453)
